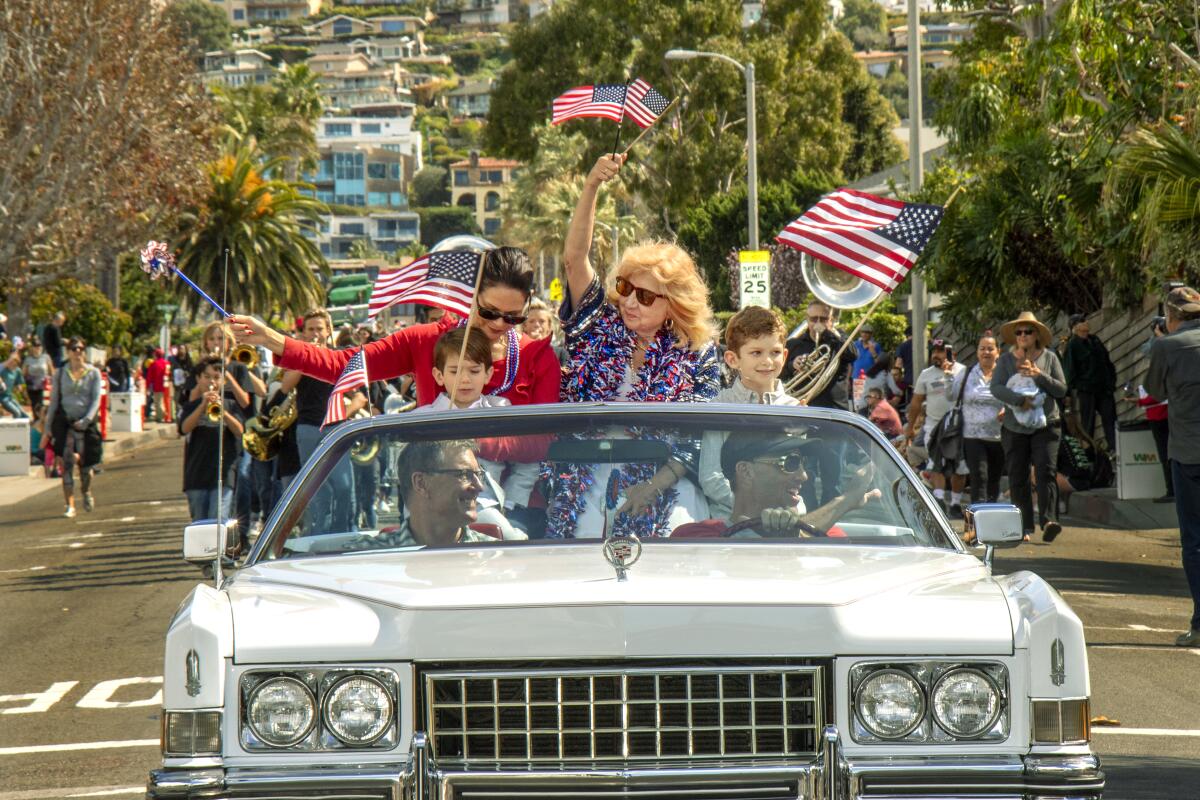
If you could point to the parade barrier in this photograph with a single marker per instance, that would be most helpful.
(126, 411)
(14, 446)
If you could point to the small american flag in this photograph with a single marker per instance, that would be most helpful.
(603, 100)
(643, 105)
(445, 280)
(354, 376)
(874, 238)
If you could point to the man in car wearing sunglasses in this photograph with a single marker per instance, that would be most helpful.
(767, 475)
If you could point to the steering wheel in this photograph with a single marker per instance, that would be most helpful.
(754, 522)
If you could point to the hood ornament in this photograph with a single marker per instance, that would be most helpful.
(622, 552)
(192, 671)
(1058, 663)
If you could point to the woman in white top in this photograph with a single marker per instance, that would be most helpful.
(981, 422)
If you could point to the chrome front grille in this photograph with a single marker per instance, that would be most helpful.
(644, 714)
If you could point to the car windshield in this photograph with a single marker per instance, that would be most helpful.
(545, 475)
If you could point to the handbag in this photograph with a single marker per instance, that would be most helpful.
(946, 438)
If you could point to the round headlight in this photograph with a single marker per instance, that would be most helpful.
(281, 711)
(966, 703)
(358, 710)
(890, 703)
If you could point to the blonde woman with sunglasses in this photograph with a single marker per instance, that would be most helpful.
(645, 337)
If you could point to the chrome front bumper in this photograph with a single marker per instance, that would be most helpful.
(829, 777)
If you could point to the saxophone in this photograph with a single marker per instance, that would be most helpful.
(263, 437)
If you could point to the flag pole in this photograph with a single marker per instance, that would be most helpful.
(462, 351)
(650, 126)
(617, 140)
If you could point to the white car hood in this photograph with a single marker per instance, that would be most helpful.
(695, 600)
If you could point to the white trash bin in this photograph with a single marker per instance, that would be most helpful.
(125, 411)
(1139, 473)
(14, 446)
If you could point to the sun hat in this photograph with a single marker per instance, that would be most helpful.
(1025, 318)
(1185, 299)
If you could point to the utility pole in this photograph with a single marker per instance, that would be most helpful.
(916, 177)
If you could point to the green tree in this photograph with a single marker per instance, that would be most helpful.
(430, 187)
(89, 313)
(202, 25)
(280, 118)
(864, 22)
(804, 90)
(438, 223)
(260, 224)
(1060, 125)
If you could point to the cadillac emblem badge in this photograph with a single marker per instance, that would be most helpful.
(622, 552)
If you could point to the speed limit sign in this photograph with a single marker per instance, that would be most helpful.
(754, 279)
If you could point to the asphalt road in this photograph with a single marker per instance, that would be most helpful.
(84, 604)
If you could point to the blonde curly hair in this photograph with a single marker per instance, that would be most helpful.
(688, 310)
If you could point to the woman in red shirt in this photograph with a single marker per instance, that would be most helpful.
(525, 371)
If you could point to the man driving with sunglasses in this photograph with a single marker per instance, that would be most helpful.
(766, 472)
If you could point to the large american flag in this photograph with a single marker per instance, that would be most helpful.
(875, 238)
(445, 280)
(643, 104)
(602, 100)
(354, 376)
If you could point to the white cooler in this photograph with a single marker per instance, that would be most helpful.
(1139, 473)
(125, 411)
(14, 446)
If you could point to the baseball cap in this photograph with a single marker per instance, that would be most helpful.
(751, 445)
(1185, 299)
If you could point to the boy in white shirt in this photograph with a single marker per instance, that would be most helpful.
(472, 373)
(755, 342)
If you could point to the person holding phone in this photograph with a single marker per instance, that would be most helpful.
(933, 397)
(1030, 357)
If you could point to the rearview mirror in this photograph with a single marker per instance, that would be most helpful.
(995, 524)
(204, 540)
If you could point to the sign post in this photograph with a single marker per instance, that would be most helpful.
(754, 278)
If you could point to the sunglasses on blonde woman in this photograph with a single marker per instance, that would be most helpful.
(644, 296)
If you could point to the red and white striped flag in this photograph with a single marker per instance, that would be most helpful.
(643, 104)
(445, 280)
(603, 100)
(354, 376)
(874, 238)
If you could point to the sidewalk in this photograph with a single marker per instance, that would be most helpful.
(1102, 508)
(15, 488)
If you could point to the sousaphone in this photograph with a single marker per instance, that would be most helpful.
(836, 289)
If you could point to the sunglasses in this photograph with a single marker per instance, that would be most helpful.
(463, 475)
(790, 463)
(76, 349)
(644, 296)
(491, 315)
(1024, 332)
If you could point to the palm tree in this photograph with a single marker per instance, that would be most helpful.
(260, 223)
(1162, 165)
(280, 117)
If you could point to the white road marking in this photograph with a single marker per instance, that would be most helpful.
(99, 695)
(110, 792)
(1093, 594)
(1148, 731)
(62, 748)
(23, 569)
(1139, 628)
(1144, 647)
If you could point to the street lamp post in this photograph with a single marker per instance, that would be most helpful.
(747, 71)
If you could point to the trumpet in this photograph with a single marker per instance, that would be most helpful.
(364, 451)
(214, 412)
(245, 354)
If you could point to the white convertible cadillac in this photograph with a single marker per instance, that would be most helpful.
(690, 613)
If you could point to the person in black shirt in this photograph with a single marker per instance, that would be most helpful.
(118, 371)
(52, 338)
(209, 446)
(820, 332)
(332, 508)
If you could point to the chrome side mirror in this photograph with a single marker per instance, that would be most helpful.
(204, 541)
(994, 524)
